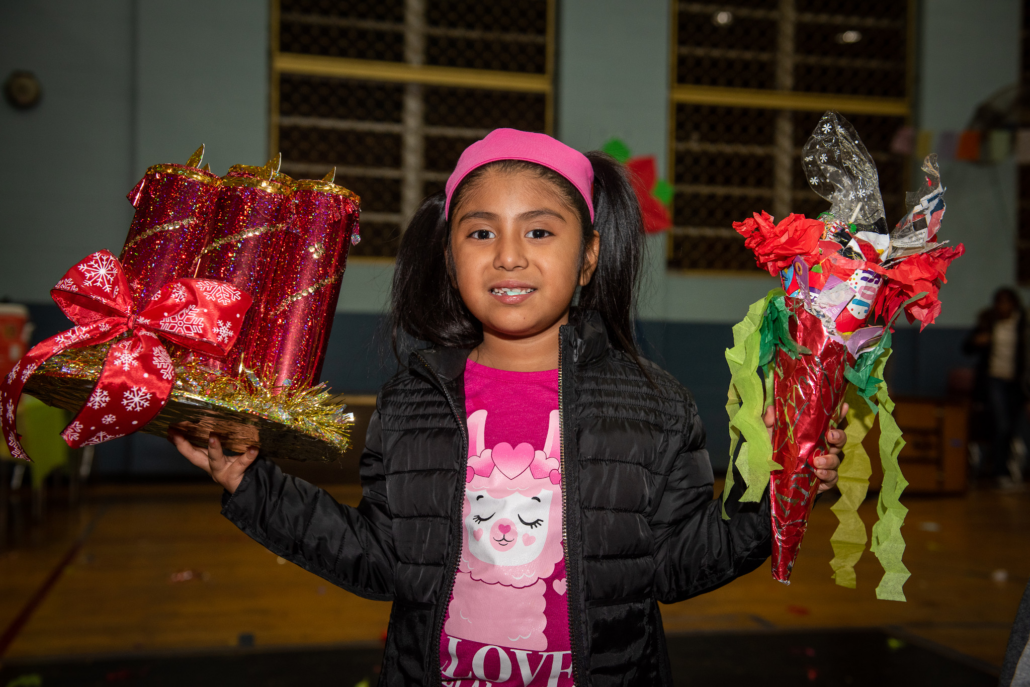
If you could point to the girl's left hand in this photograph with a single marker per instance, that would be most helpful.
(825, 466)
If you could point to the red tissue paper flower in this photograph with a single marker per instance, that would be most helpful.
(776, 245)
(923, 273)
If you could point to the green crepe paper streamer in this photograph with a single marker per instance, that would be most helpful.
(744, 405)
(862, 374)
(618, 149)
(776, 332)
(663, 191)
(888, 544)
(849, 539)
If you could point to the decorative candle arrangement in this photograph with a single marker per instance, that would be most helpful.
(825, 336)
(220, 268)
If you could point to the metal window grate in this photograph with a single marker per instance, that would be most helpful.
(391, 91)
(751, 80)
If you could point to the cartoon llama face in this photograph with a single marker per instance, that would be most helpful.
(508, 531)
(512, 495)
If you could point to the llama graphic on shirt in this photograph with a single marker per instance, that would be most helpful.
(513, 540)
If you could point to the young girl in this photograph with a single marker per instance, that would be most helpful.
(532, 487)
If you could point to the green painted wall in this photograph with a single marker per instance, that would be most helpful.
(128, 83)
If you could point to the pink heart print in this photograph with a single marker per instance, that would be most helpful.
(559, 586)
(512, 462)
(528, 539)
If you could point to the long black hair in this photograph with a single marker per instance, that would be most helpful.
(426, 305)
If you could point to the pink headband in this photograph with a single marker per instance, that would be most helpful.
(541, 149)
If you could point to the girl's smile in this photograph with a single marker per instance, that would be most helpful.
(511, 292)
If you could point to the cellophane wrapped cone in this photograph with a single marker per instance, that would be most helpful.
(808, 390)
(251, 214)
(288, 348)
(174, 207)
(846, 276)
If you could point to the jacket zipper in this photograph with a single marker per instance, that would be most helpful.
(569, 570)
(452, 568)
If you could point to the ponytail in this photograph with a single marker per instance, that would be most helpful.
(426, 305)
(424, 302)
(619, 223)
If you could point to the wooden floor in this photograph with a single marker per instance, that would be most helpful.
(159, 570)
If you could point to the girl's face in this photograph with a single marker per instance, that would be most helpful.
(517, 245)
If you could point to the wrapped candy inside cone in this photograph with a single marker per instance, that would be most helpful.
(288, 348)
(174, 206)
(246, 236)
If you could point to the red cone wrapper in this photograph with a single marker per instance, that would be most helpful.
(138, 374)
(808, 391)
(246, 237)
(174, 206)
(289, 346)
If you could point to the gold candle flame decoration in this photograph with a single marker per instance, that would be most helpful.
(197, 157)
(331, 176)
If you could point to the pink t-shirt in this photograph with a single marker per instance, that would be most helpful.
(507, 621)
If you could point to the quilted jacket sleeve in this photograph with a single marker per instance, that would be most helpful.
(696, 549)
(350, 547)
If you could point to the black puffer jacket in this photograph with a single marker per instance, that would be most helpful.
(641, 523)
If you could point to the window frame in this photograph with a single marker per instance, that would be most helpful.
(774, 99)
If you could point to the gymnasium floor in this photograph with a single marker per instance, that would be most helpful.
(155, 571)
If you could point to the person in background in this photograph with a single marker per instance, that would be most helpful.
(1000, 342)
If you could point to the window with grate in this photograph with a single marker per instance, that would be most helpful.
(751, 79)
(1023, 230)
(389, 92)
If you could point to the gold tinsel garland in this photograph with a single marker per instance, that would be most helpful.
(304, 424)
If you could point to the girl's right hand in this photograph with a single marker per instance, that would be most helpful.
(226, 470)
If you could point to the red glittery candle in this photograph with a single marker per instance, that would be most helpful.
(174, 206)
(252, 211)
(289, 347)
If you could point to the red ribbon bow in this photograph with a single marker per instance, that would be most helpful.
(199, 314)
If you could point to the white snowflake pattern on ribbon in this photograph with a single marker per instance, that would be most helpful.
(108, 419)
(224, 331)
(71, 432)
(12, 442)
(13, 374)
(163, 362)
(126, 359)
(66, 284)
(100, 271)
(219, 292)
(178, 293)
(136, 399)
(185, 322)
(98, 438)
(99, 399)
(28, 370)
(10, 411)
(69, 337)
